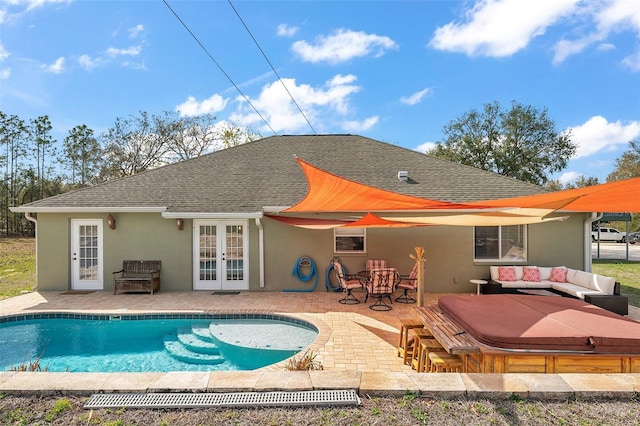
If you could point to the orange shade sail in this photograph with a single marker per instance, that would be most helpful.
(620, 196)
(330, 193)
(369, 220)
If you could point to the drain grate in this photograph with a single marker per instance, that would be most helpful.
(240, 399)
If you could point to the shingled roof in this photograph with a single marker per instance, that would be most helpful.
(248, 177)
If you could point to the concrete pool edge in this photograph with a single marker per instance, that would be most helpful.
(436, 385)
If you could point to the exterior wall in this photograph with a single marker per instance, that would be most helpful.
(137, 236)
(448, 251)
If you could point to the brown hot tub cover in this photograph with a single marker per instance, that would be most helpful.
(542, 323)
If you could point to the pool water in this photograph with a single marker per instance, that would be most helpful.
(112, 344)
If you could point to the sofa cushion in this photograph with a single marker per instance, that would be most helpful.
(584, 279)
(531, 273)
(604, 284)
(506, 273)
(573, 289)
(545, 273)
(493, 270)
(559, 274)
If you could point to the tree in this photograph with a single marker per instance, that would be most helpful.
(83, 155)
(13, 135)
(44, 148)
(233, 135)
(188, 137)
(628, 165)
(582, 181)
(133, 145)
(521, 142)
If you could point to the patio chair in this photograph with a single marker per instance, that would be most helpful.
(380, 285)
(371, 264)
(348, 282)
(406, 283)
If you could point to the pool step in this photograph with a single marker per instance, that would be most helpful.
(203, 333)
(181, 353)
(195, 343)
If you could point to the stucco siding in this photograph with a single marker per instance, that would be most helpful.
(448, 250)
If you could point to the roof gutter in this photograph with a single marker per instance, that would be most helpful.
(588, 257)
(211, 215)
(26, 209)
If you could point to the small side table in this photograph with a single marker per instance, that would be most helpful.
(478, 283)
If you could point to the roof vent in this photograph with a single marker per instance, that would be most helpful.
(403, 176)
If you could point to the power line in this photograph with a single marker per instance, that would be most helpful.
(272, 67)
(218, 65)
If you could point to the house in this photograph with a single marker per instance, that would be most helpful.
(207, 220)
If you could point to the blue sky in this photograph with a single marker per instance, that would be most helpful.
(390, 70)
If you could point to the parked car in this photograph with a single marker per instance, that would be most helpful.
(609, 234)
(634, 237)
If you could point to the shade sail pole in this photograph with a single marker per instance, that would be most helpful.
(420, 260)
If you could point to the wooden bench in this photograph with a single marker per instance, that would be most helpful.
(137, 276)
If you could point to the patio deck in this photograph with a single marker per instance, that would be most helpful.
(356, 346)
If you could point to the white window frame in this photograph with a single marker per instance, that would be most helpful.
(349, 232)
(503, 252)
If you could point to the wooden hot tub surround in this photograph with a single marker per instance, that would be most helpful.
(533, 334)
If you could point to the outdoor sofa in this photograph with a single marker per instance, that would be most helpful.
(592, 288)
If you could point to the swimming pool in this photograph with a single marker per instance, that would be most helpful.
(151, 342)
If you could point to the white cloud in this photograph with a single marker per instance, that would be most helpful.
(425, 147)
(131, 51)
(569, 177)
(499, 28)
(360, 126)
(3, 53)
(327, 106)
(598, 134)
(5, 73)
(135, 31)
(608, 17)
(86, 62)
(603, 47)
(342, 46)
(191, 106)
(57, 67)
(286, 31)
(415, 98)
(632, 61)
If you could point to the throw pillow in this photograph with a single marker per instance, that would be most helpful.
(559, 275)
(531, 273)
(506, 273)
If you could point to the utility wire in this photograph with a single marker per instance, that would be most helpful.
(218, 65)
(272, 67)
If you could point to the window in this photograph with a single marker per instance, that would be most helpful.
(349, 240)
(500, 243)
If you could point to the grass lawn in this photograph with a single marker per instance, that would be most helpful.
(18, 270)
(17, 266)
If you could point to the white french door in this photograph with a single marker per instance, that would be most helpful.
(220, 255)
(86, 254)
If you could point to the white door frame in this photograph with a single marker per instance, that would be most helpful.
(86, 254)
(221, 277)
